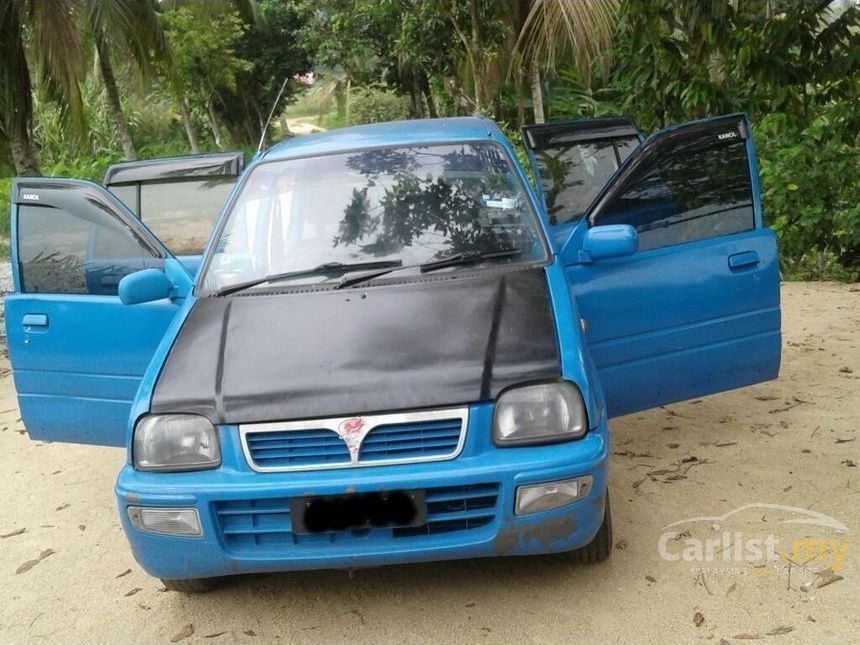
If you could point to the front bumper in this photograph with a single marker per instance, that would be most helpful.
(244, 532)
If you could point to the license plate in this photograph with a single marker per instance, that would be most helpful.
(401, 508)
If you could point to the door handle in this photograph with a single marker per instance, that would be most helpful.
(743, 259)
(35, 320)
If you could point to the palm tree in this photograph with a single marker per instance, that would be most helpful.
(59, 67)
(130, 26)
(553, 30)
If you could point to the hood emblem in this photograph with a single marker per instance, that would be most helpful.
(353, 431)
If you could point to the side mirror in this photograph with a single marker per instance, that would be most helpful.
(610, 241)
(144, 286)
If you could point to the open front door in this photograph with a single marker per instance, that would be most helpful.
(78, 353)
(573, 160)
(177, 198)
(696, 309)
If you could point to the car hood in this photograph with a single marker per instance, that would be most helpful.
(432, 341)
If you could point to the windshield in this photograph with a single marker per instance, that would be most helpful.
(411, 205)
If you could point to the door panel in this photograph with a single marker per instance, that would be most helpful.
(76, 377)
(77, 352)
(697, 310)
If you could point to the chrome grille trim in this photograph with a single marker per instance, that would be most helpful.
(371, 422)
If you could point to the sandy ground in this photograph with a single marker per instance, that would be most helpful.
(789, 442)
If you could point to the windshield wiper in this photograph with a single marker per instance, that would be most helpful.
(326, 268)
(468, 257)
(350, 281)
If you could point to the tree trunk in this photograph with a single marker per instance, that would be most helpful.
(264, 131)
(476, 53)
(537, 92)
(521, 103)
(214, 123)
(23, 157)
(112, 93)
(416, 96)
(346, 108)
(190, 132)
(16, 107)
(285, 126)
(432, 112)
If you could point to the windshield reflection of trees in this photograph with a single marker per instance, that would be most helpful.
(432, 196)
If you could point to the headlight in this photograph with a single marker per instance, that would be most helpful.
(171, 442)
(539, 414)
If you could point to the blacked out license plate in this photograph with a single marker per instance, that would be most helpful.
(393, 509)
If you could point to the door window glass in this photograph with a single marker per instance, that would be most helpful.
(685, 187)
(127, 194)
(573, 173)
(182, 213)
(61, 252)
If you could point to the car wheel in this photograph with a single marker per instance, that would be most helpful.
(192, 585)
(601, 546)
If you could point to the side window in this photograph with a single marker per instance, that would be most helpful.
(127, 194)
(686, 186)
(182, 213)
(61, 252)
(573, 173)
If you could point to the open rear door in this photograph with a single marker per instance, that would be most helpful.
(177, 198)
(78, 354)
(573, 160)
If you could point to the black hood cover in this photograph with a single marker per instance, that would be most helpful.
(432, 342)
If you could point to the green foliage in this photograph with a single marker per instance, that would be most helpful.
(204, 51)
(796, 71)
(5, 206)
(374, 104)
(811, 195)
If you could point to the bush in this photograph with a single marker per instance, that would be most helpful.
(811, 196)
(5, 208)
(375, 103)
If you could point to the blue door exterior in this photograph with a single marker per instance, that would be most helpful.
(78, 353)
(696, 309)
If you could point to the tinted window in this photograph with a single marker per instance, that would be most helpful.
(127, 194)
(60, 252)
(181, 214)
(573, 173)
(412, 205)
(687, 185)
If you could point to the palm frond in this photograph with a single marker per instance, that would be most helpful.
(52, 29)
(557, 29)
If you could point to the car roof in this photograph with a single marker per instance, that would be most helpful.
(393, 133)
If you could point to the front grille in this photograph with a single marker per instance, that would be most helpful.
(409, 440)
(315, 446)
(456, 508)
(255, 524)
(371, 440)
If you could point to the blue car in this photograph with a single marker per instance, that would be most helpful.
(393, 347)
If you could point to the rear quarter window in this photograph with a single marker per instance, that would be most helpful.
(181, 213)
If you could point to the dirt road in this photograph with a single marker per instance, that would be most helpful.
(67, 574)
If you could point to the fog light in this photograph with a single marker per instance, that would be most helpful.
(167, 521)
(542, 497)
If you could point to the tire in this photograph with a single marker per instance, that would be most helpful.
(601, 546)
(192, 585)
